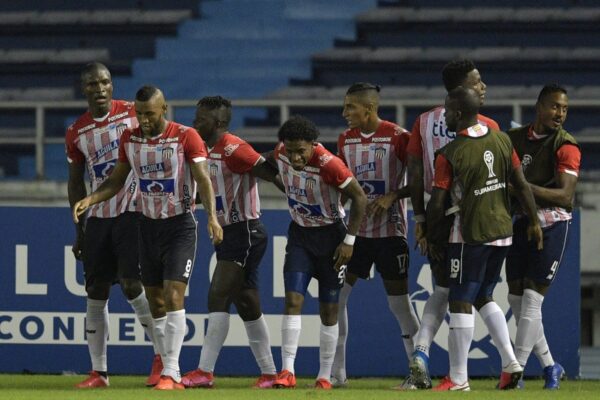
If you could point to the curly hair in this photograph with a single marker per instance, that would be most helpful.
(298, 128)
(455, 72)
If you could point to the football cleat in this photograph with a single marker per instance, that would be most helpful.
(447, 385)
(419, 369)
(168, 383)
(198, 379)
(552, 376)
(265, 381)
(323, 384)
(285, 379)
(157, 367)
(338, 383)
(510, 376)
(95, 380)
(407, 384)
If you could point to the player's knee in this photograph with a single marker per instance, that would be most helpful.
(131, 288)
(328, 313)
(541, 288)
(218, 299)
(515, 287)
(441, 276)
(98, 290)
(460, 307)
(482, 301)
(248, 305)
(293, 303)
(396, 287)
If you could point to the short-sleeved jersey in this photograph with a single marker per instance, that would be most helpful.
(313, 193)
(95, 142)
(378, 161)
(160, 165)
(429, 134)
(236, 190)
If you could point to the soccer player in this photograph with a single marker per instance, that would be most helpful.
(234, 166)
(429, 134)
(107, 240)
(167, 159)
(550, 158)
(375, 151)
(475, 169)
(319, 243)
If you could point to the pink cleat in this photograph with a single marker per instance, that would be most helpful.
(447, 385)
(285, 379)
(95, 380)
(198, 379)
(157, 367)
(323, 384)
(168, 383)
(265, 381)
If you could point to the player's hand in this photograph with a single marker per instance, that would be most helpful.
(380, 205)
(80, 207)
(534, 232)
(215, 232)
(436, 252)
(77, 247)
(342, 255)
(421, 237)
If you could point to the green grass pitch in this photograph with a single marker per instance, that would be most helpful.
(51, 387)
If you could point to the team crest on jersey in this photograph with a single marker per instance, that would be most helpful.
(488, 159)
(311, 183)
(380, 153)
(230, 148)
(527, 159)
(120, 128)
(324, 159)
(167, 153)
(214, 169)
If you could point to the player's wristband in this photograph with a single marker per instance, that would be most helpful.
(419, 218)
(349, 239)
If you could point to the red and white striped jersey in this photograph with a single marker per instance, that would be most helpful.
(313, 193)
(378, 161)
(429, 134)
(95, 142)
(160, 165)
(236, 190)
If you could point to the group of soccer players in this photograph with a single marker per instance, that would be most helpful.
(137, 227)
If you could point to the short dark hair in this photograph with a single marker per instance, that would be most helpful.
(146, 92)
(298, 128)
(549, 89)
(93, 67)
(213, 102)
(362, 86)
(455, 72)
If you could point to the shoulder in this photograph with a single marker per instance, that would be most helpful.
(488, 122)
(567, 137)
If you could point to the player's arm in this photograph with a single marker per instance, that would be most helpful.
(435, 217)
(417, 185)
(354, 192)
(525, 196)
(265, 170)
(77, 191)
(107, 189)
(562, 196)
(207, 196)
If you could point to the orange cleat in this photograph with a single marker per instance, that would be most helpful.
(285, 379)
(95, 380)
(198, 379)
(323, 384)
(157, 367)
(168, 383)
(265, 381)
(447, 385)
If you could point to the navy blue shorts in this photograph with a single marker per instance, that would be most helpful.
(474, 270)
(524, 260)
(110, 249)
(310, 251)
(244, 243)
(167, 248)
(389, 254)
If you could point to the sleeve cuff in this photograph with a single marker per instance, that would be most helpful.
(345, 183)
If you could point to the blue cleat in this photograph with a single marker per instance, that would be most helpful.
(419, 369)
(552, 376)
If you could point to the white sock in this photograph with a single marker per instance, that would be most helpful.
(433, 316)
(174, 334)
(339, 362)
(495, 321)
(459, 343)
(291, 326)
(260, 343)
(142, 311)
(530, 329)
(216, 333)
(328, 338)
(541, 349)
(96, 328)
(160, 325)
(405, 315)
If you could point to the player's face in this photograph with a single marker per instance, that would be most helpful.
(206, 122)
(451, 114)
(355, 112)
(551, 112)
(473, 81)
(151, 115)
(298, 152)
(97, 89)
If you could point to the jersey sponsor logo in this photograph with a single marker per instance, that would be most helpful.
(138, 139)
(107, 149)
(103, 170)
(157, 187)
(214, 169)
(167, 152)
(215, 155)
(87, 128)
(168, 140)
(118, 116)
(310, 211)
(363, 168)
(230, 148)
(351, 141)
(491, 185)
(488, 159)
(527, 159)
(312, 169)
(381, 140)
(293, 190)
(439, 129)
(380, 153)
(146, 169)
(373, 188)
(324, 159)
